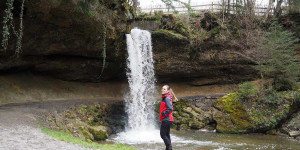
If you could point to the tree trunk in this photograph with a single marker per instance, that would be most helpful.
(188, 13)
(250, 6)
(268, 9)
(278, 9)
(228, 6)
(290, 7)
(134, 5)
(223, 10)
(245, 7)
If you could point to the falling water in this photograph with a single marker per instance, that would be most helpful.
(140, 73)
(140, 99)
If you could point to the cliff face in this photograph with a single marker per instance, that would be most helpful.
(212, 66)
(65, 38)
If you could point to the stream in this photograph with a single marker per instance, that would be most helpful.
(199, 140)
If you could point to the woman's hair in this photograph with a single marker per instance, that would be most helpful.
(174, 98)
(168, 87)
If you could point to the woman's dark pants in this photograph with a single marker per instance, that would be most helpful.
(165, 133)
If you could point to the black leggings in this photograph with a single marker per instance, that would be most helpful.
(165, 133)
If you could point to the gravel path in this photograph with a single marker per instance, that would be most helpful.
(19, 131)
(24, 137)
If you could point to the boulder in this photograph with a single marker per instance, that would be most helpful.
(230, 115)
(98, 132)
(292, 126)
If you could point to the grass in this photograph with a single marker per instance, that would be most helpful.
(63, 136)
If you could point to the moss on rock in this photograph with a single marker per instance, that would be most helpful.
(88, 121)
(171, 34)
(231, 116)
(99, 132)
(188, 116)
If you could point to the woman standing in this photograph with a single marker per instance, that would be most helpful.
(165, 115)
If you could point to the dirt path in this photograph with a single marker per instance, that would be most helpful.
(18, 125)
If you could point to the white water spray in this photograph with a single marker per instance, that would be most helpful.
(140, 127)
(140, 73)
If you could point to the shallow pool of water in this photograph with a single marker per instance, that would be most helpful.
(196, 140)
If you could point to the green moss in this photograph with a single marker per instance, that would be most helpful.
(181, 28)
(184, 126)
(69, 114)
(171, 34)
(180, 105)
(228, 103)
(195, 124)
(85, 133)
(63, 136)
(237, 115)
(215, 31)
(246, 91)
(84, 7)
(175, 114)
(98, 134)
(272, 132)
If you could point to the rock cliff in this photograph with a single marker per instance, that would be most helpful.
(66, 39)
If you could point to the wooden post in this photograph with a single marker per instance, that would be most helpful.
(188, 13)
(212, 7)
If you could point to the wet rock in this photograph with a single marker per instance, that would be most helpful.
(183, 126)
(196, 109)
(194, 112)
(292, 126)
(83, 132)
(190, 111)
(230, 115)
(196, 124)
(98, 132)
(294, 133)
(224, 124)
(272, 132)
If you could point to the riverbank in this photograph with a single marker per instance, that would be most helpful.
(20, 127)
(18, 123)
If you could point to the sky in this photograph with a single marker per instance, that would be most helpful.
(145, 3)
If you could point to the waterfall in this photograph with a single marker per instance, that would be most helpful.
(140, 72)
(140, 100)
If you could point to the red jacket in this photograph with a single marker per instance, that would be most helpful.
(166, 108)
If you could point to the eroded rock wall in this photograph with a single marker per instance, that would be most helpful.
(65, 39)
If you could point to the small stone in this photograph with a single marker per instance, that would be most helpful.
(197, 125)
(294, 133)
(272, 132)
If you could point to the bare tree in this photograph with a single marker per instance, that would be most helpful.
(188, 13)
(223, 4)
(169, 4)
(134, 5)
(278, 9)
(228, 6)
(271, 2)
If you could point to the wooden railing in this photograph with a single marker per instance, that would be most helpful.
(202, 8)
